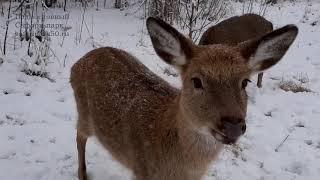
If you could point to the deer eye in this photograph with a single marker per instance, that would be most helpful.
(245, 83)
(197, 83)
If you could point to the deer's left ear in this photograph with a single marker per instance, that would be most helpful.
(170, 45)
(267, 51)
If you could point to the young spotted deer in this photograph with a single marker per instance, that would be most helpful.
(154, 129)
(236, 30)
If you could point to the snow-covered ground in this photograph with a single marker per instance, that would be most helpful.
(38, 115)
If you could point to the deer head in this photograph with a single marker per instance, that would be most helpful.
(214, 77)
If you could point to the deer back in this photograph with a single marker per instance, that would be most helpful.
(236, 29)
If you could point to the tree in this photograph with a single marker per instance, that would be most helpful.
(49, 3)
(7, 28)
(196, 15)
(118, 4)
(163, 9)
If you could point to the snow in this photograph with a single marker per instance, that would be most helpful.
(38, 115)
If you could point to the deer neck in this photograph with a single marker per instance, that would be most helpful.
(192, 138)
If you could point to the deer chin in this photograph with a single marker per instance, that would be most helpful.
(223, 138)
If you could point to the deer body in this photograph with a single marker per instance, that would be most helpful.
(237, 29)
(137, 127)
(154, 129)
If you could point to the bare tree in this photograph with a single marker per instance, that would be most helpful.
(163, 9)
(118, 4)
(31, 24)
(49, 3)
(2, 11)
(196, 15)
(64, 5)
(248, 6)
(7, 28)
(20, 28)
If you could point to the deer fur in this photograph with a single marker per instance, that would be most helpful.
(237, 29)
(158, 131)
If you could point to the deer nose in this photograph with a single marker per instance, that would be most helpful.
(233, 127)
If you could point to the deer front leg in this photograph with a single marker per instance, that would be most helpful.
(81, 146)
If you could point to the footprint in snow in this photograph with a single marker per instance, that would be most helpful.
(8, 91)
(11, 138)
(66, 157)
(296, 168)
(61, 99)
(308, 142)
(20, 80)
(13, 120)
(63, 116)
(52, 140)
(8, 155)
(27, 93)
(39, 161)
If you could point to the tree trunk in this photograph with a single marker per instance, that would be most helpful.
(118, 4)
(49, 3)
(7, 28)
(64, 6)
(34, 4)
(191, 21)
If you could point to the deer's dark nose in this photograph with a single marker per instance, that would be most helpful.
(233, 127)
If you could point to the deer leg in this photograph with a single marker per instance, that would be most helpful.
(259, 83)
(81, 146)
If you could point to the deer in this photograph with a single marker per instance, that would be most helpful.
(237, 29)
(156, 130)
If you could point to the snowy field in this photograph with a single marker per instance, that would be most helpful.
(38, 115)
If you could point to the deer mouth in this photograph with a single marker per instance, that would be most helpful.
(222, 138)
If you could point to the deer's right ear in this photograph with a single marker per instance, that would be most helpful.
(169, 44)
(267, 51)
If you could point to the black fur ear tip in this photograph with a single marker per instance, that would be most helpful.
(155, 20)
(291, 27)
(151, 23)
(151, 19)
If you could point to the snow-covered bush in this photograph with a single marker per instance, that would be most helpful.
(36, 62)
(293, 86)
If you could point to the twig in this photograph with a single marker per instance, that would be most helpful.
(140, 5)
(64, 60)
(83, 16)
(65, 30)
(54, 54)
(277, 148)
(19, 6)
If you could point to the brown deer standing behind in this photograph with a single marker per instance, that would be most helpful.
(158, 131)
(236, 30)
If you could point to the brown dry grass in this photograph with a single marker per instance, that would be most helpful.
(296, 87)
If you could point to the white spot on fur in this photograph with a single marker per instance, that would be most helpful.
(219, 137)
(204, 131)
(207, 143)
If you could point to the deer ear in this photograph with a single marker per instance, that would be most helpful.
(169, 44)
(267, 51)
